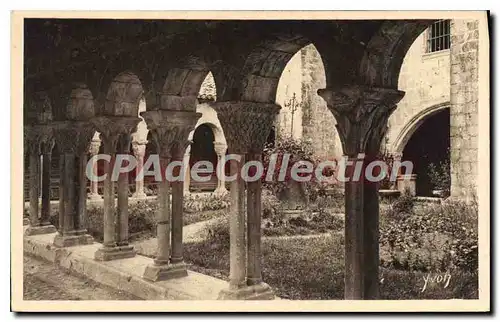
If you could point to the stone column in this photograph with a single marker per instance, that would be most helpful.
(41, 141)
(73, 139)
(187, 169)
(246, 126)
(34, 179)
(254, 214)
(123, 147)
(94, 184)
(396, 157)
(361, 113)
(139, 149)
(115, 133)
(177, 257)
(220, 149)
(170, 130)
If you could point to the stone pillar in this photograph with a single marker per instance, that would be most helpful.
(361, 113)
(94, 184)
(187, 169)
(177, 257)
(115, 133)
(220, 149)
(34, 181)
(139, 149)
(246, 126)
(73, 139)
(41, 141)
(123, 147)
(170, 130)
(254, 214)
(47, 165)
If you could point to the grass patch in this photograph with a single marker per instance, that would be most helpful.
(313, 269)
(194, 217)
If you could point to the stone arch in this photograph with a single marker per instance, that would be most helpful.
(80, 106)
(216, 130)
(123, 95)
(203, 149)
(265, 64)
(423, 152)
(414, 123)
(384, 53)
(182, 85)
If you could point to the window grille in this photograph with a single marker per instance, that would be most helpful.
(438, 36)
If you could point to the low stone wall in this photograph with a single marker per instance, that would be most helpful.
(123, 274)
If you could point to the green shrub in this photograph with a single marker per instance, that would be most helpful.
(218, 231)
(313, 269)
(193, 203)
(437, 237)
(403, 205)
(439, 175)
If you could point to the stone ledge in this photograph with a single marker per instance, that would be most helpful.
(123, 274)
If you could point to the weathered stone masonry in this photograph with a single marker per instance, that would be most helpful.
(464, 107)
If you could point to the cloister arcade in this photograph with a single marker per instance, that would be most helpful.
(82, 77)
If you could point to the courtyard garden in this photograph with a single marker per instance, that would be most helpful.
(427, 250)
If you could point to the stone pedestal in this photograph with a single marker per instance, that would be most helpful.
(73, 238)
(260, 291)
(165, 272)
(114, 252)
(407, 183)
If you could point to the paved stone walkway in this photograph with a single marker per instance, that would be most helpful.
(44, 281)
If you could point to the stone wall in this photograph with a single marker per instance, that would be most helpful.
(313, 122)
(290, 82)
(464, 107)
(318, 122)
(425, 78)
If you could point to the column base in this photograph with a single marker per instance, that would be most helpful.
(220, 192)
(40, 230)
(72, 239)
(156, 273)
(94, 196)
(140, 195)
(117, 252)
(261, 291)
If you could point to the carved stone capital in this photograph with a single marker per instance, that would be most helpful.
(73, 136)
(246, 124)
(220, 148)
(361, 113)
(94, 147)
(139, 149)
(116, 132)
(170, 130)
(39, 138)
(40, 107)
